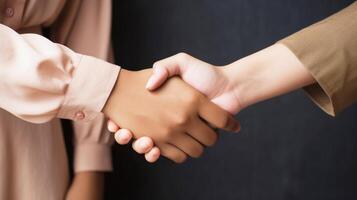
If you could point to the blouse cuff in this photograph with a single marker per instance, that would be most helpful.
(92, 157)
(92, 83)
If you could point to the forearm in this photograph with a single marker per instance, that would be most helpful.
(87, 185)
(268, 73)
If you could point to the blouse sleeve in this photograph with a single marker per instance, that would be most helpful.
(92, 142)
(41, 80)
(328, 49)
(92, 146)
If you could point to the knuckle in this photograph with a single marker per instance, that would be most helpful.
(182, 120)
(167, 134)
(182, 55)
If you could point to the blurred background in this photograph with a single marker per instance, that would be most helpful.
(288, 148)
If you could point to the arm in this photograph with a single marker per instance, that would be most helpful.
(41, 80)
(328, 50)
(268, 73)
(319, 59)
(92, 143)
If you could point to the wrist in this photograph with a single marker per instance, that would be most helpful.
(268, 73)
(243, 77)
(121, 79)
(129, 85)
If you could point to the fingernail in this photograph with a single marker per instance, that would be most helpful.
(144, 144)
(117, 137)
(111, 127)
(125, 136)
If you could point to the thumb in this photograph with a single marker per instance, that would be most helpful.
(159, 76)
(166, 68)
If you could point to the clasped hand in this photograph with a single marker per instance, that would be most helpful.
(179, 120)
(180, 111)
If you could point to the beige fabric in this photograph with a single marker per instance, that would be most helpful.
(328, 49)
(41, 81)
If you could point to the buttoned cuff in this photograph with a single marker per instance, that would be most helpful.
(92, 157)
(92, 82)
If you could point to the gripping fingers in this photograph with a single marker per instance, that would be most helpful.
(123, 136)
(166, 68)
(202, 132)
(143, 145)
(218, 117)
(173, 153)
(188, 144)
(153, 155)
(112, 127)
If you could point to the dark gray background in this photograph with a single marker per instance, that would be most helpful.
(287, 149)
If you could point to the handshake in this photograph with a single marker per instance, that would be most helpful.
(179, 120)
(174, 109)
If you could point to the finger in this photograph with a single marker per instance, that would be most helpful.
(123, 136)
(188, 144)
(143, 145)
(112, 127)
(173, 153)
(153, 155)
(202, 132)
(218, 117)
(159, 76)
(165, 68)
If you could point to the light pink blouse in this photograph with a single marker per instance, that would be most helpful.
(41, 81)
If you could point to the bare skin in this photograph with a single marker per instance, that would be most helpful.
(263, 75)
(86, 186)
(175, 117)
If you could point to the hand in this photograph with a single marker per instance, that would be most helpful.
(210, 80)
(265, 74)
(143, 145)
(268, 73)
(174, 116)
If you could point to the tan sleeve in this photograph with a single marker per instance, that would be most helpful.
(328, 49)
